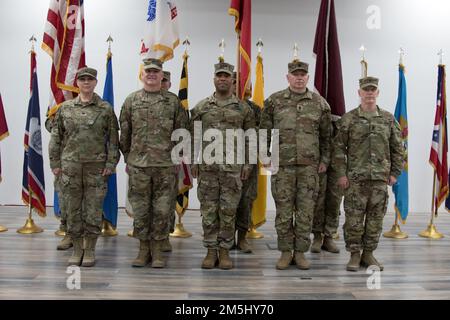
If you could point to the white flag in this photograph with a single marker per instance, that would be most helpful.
(161, 30)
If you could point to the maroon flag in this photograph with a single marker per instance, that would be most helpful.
(3, 129)
(328, 75)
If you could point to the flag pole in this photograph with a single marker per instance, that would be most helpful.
(107, 229)
(396, 232)
(30, 227)
(431, 232)
(179, 230)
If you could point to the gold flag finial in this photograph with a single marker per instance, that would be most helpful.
(364, 65)
(295, 49)
(33, 41)
(259, 45)
(109, 40)
(401, 52)
(441, 56)
(186, 44)
(222, 50)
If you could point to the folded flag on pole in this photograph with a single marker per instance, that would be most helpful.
(161, 31)
(110, 205)
(64, 42)
(400, 189)
(439, 144)
(3, 130)
(184, 172)
(33, 185)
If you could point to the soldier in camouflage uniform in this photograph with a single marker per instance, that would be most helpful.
(220, 184)
(249, 189)
(303, 121)
(368, 157)
(147, 120)
(84, 151)
(66, 242)
(326, 214)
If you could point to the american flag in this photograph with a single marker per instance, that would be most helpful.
(33, 164)
(439, 145)
(64, 42)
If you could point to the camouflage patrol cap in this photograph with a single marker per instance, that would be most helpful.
(166, 75)
(297, 65)
(368, 82)
(223, 67)
(234, 75)
(152, 63)
(86, 71)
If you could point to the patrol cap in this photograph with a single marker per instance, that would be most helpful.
(86, 71)
(368, 82)
(234, 75)
(152, 63)
(166, 75)
(223, 67)
(297, 65)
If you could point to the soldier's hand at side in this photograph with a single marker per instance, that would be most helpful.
(106, 172)
(322, 168)
(194, 171)
(57, 171)
(267, 165)
(245, 174)
(343, 182)
(392, 180)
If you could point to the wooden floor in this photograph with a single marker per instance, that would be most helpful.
(32, 268)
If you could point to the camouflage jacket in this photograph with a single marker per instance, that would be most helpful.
(368, 149)
(223, 115)
(304, 124)
(147, 121)
(84, 133)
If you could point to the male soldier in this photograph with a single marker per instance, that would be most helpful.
(147, 120)
(326, 214)
(303, 121)
(66, 242)
(249, 188)
(368, 157)
(165, 82)
(220, 182)
(84, 151)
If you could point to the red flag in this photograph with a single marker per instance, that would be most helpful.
(64, 42)
(328, 75)
(242, 11)
(3, 130)
(439, 144)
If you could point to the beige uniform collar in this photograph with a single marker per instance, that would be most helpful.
(361, 112)
(288, 93)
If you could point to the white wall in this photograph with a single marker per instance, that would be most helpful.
(420, 27)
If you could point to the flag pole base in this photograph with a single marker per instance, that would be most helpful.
(3, 229)
(180, 232)
(130, 233)
(30, 227)
(253, 234)
(431, 232)
(395, 233)
(108, 230)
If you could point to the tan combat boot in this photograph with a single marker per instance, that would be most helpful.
(89, 252)
(65, 243)
(157, 258)
(355, 259)
(329, 245)
(225, 262)
(144, 256)
(243, 244)
(166, 246)
(285, 260)
(300, 261)
(77, 253)
(210, 260)
(317, 242)
(367, 260)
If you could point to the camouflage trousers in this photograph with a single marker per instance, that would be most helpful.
(219, 193)
(365, 205)
(249, 192)
(62, 217)
(294, 189)
(151, 192)
(83, 191)
(326, 214)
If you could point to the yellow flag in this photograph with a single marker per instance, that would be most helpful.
(259, 205)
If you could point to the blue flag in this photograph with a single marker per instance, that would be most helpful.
(400, 189)
(110, 203)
